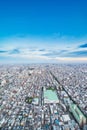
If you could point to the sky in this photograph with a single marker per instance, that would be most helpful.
(43, 31)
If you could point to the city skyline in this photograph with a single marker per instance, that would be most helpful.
(43, 31)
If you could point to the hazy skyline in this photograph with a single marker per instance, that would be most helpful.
(43, 31)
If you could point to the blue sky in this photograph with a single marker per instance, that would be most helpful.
(43, 31)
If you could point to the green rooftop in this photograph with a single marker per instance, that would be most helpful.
(77, 113)
(50, 95)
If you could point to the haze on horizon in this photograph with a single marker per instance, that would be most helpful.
(43, 31)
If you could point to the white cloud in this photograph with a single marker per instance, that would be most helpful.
(35, 48)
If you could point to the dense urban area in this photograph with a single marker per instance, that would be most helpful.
(43, 97)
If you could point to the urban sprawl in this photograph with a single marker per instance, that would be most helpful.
(43, 97)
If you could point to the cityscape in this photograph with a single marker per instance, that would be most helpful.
(43, 97)
(43, 64)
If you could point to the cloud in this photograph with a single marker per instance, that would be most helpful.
(64, 53)
(78, 54)
(55, 53)
(3, 51)
(42, 50)
(72, 59)
(34, 50)
(14, 51)
(83, 45)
